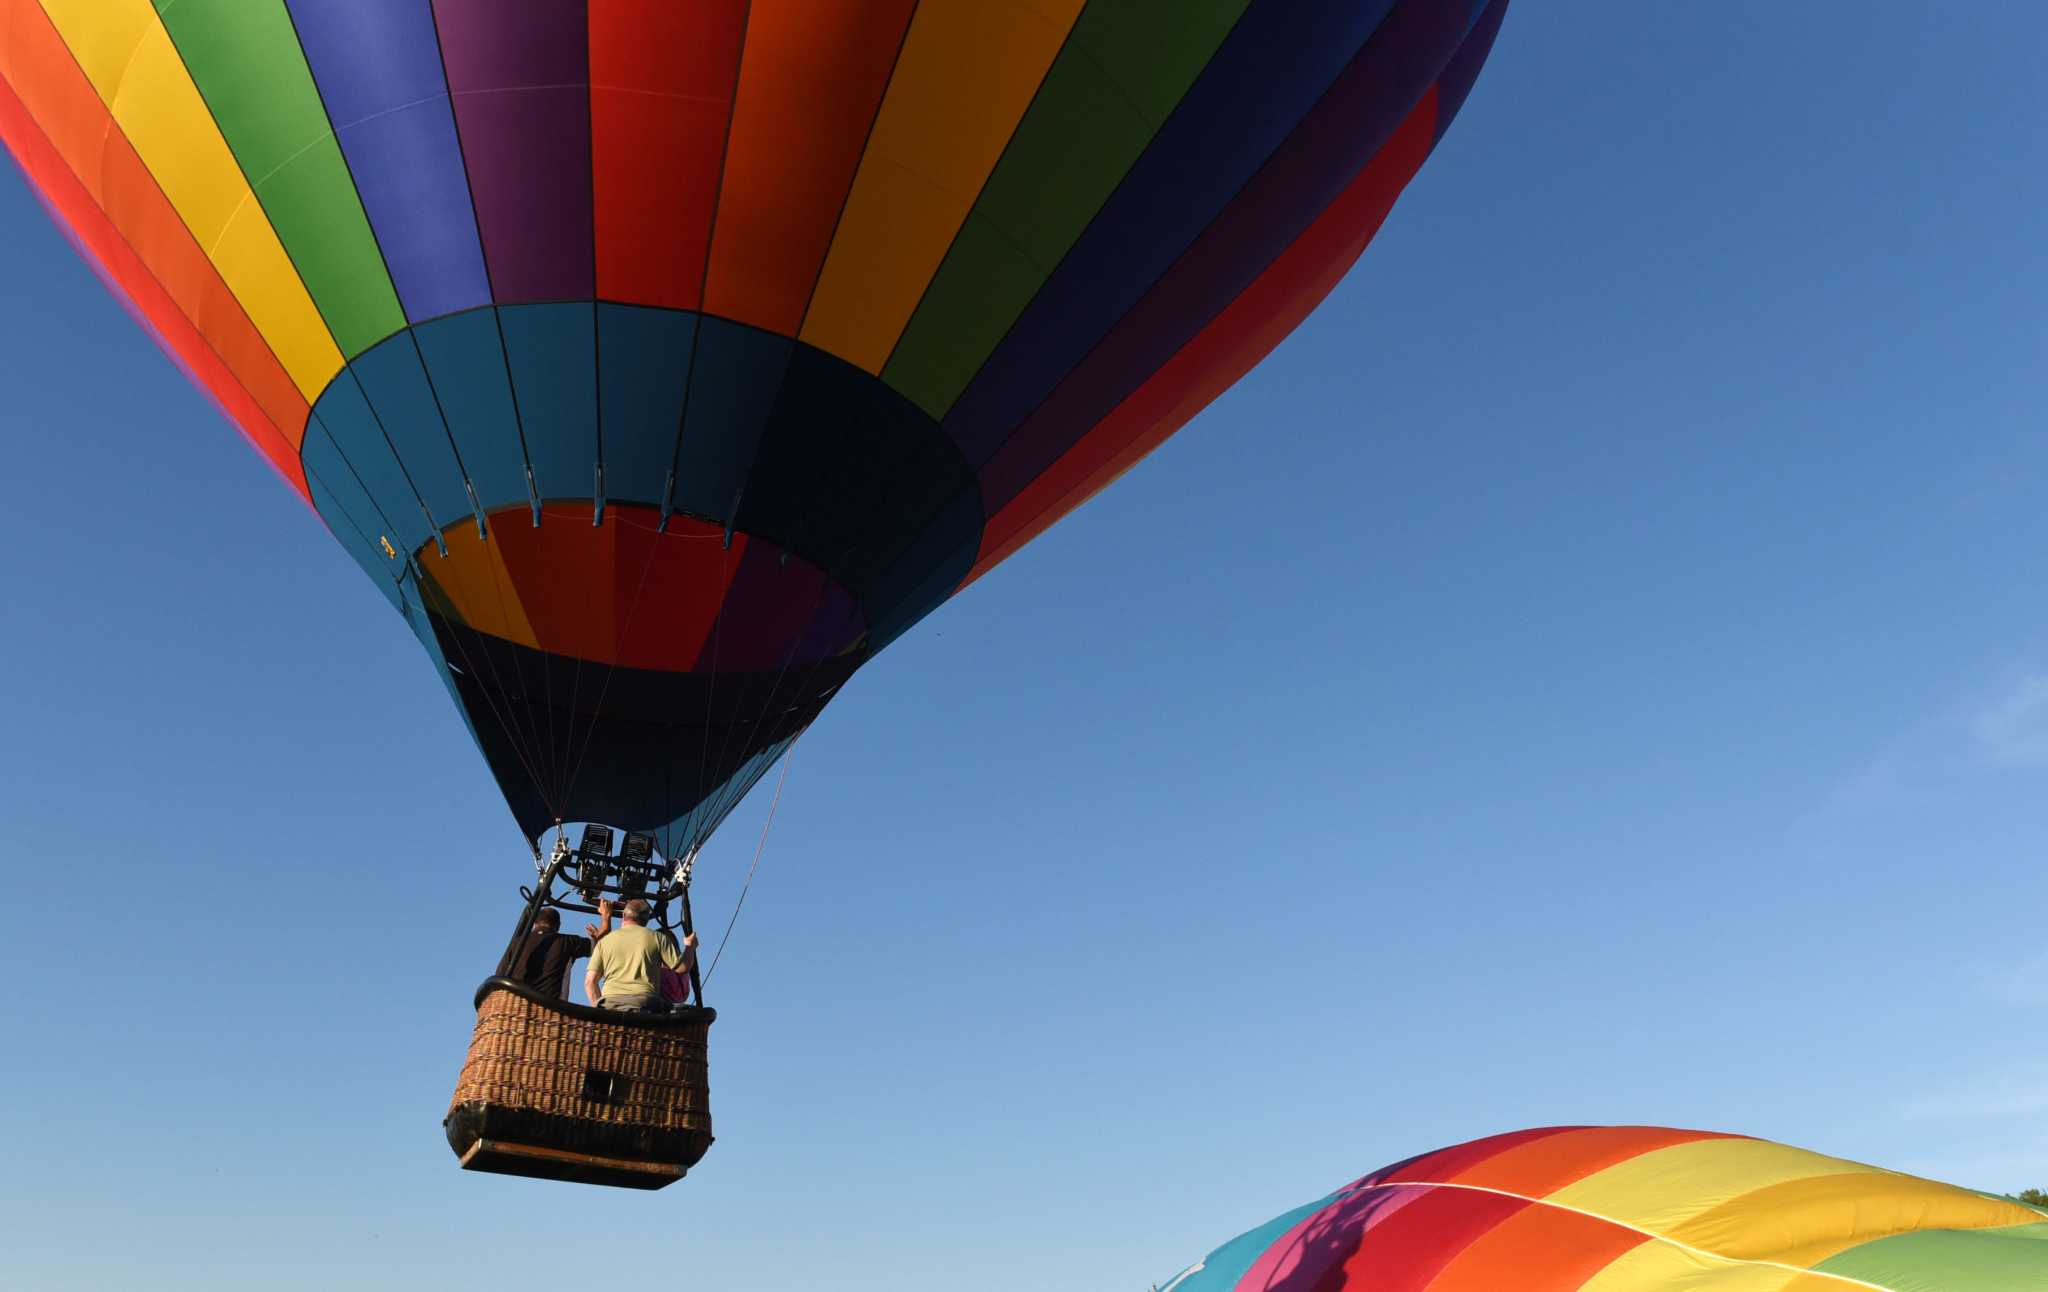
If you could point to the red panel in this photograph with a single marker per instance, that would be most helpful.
(619, 593)
(1411, 1247)
(1230, 346)
(1538, 1249)
(661, 85)
(44, 98)
(670, 586)
(60, 131)
(1541, 1168)
(811, 80)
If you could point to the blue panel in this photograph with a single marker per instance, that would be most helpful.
(342, 436)
(1265, 77)
(735, 379)
(643, 371)
(415, 611)
(467, 365)
(404, 403)
(377, 64)
(554, 379)
(357, 535)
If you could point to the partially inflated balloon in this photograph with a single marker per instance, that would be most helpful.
(662, 360)
(1636, 1209)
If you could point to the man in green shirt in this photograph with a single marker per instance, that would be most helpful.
(629, 962)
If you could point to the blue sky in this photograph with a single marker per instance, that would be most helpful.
(1597, 670)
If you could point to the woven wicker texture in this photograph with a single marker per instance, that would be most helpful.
(527, 1056)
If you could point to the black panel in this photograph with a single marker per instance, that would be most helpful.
(577, 741)
(862, 482)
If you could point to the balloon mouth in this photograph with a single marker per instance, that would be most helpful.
(627, 673)
(635, 592)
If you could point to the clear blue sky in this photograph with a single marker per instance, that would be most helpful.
(1597, 670)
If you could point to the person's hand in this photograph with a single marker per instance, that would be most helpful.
(690, 940)
(592, 932)
(604, 908)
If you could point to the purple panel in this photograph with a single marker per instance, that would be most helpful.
(778, 616)
(1325, 152)
(378, 70)
(520, 74)
(1263, 79)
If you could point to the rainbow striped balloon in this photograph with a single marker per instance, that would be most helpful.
(1636, 1209)
(662, 360)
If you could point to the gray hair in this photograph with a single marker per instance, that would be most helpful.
(636, 911)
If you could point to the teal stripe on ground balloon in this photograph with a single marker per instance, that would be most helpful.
(1122, 70)
(1222, 1269)
(1953, 1260)
(245, 58)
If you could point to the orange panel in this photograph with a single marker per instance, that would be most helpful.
(562, 570)
(1538, 1249)
(273, 432)
(811, 79)
(68, 110)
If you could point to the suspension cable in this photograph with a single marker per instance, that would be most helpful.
(759, 848)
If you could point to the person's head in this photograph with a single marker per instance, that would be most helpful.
(635, 912)
(548, 922)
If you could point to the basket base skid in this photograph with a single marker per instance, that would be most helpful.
(500, 1157)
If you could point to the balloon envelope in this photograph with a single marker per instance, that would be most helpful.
(661, 362)
(1635, 1209)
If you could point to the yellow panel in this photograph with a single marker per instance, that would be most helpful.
(1660, 1267)
(1806, 1221)
(968, 70)
(131, 61)
(1661, 1190)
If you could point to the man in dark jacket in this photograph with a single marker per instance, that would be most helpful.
(540, 957)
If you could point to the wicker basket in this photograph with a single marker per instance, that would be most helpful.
(564, 1092)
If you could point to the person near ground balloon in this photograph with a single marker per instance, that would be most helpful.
(629, 962)
(541, 955)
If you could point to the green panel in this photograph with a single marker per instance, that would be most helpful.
(1950, 1260)
(244, 56)
(1122, 71)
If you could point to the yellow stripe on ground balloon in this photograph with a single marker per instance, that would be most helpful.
(1660, 1267)
(1661, 1190)
(1803, 1222)
(126, 53)
(968, 70)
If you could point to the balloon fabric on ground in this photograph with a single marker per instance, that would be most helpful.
(1635, 1209)
(662, 363)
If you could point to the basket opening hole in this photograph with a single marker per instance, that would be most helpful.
(602, 1087)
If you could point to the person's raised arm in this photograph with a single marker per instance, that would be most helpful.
(597, 931)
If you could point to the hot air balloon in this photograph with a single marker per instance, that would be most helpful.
(1635, 1209)
(661, 361)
